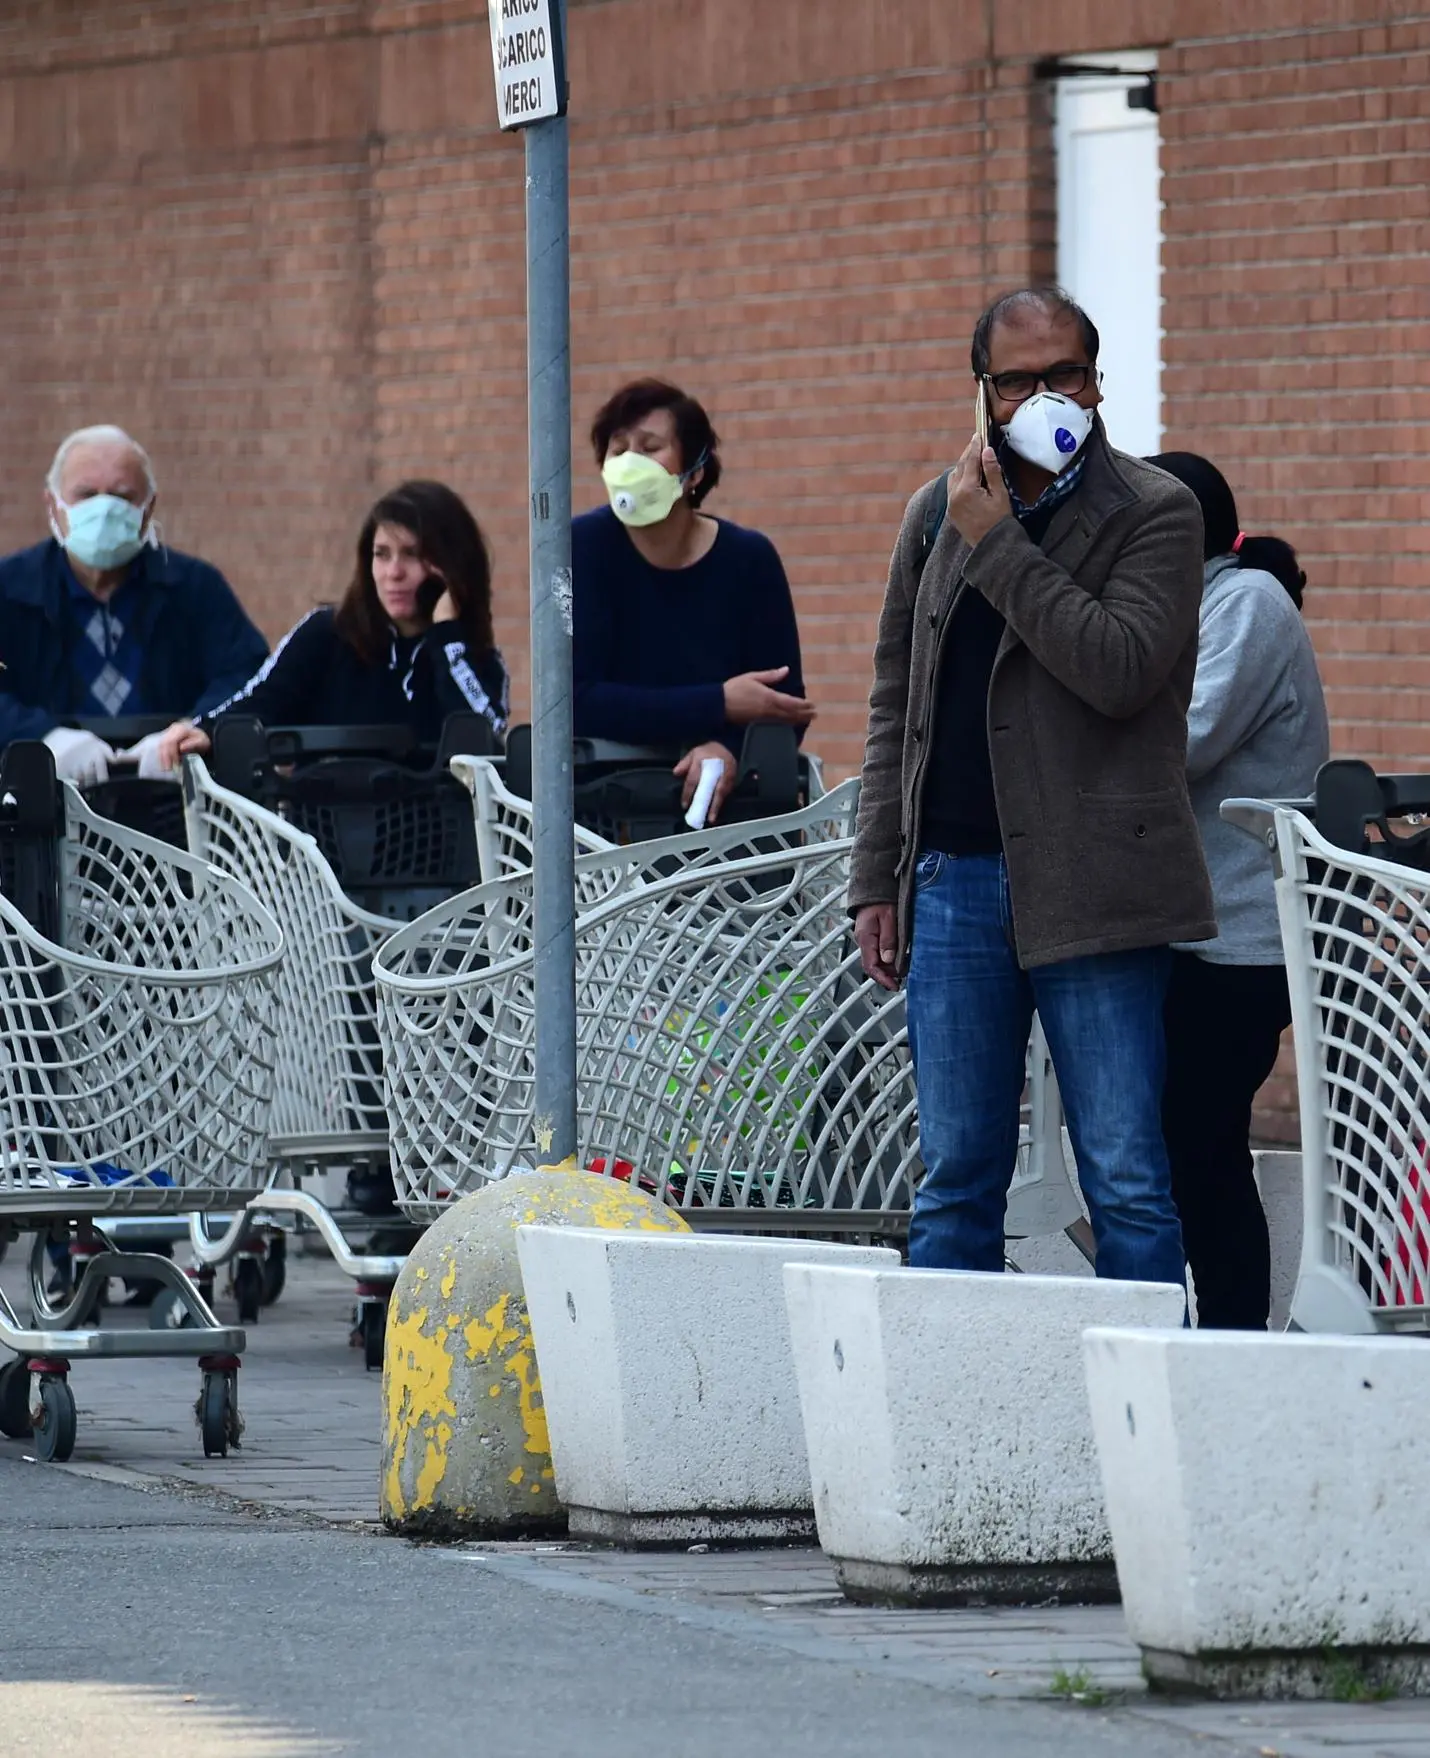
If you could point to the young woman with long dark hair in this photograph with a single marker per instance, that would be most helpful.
(409, 642)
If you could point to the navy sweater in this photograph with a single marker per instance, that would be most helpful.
(653, 646)
(316, 679)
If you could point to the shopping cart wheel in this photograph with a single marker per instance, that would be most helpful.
(372, 1323)
(218, 1413)
(168, 1313)
(248, 1289)
(55, 1430)
(275, 1266)
(15, 1400)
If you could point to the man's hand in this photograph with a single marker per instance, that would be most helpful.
(977, 503)
(876, 933)
(751, 696)
(178, 741)
(688, 769)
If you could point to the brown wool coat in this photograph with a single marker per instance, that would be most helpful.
(1087, 713)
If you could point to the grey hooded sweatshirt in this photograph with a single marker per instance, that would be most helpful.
(1256, 729)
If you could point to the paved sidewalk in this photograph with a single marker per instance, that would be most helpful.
(788, 1599)
(312, 1448)
(310, 1408)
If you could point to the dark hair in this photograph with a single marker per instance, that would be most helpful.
(1221, 528)
(451, 545)
(1008, 307)
(697, 439)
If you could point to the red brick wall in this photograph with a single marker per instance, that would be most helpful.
(282, 240)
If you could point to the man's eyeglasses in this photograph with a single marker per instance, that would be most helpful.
(1016, 387)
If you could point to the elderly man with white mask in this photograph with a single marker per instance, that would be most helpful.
(102, 621)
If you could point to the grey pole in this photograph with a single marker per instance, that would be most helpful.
(548, 356)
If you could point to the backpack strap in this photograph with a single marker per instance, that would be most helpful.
(934, 514)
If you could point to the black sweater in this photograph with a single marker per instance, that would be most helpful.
(314, 678)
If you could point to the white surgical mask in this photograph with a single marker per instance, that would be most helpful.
(1049, 430)
(105, 531)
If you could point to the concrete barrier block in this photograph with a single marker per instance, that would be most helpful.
(1270, 1508)
(946, 1421)
(669, 1390)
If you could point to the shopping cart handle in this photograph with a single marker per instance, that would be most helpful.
(1258, 817)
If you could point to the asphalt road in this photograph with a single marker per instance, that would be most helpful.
(145, 1625)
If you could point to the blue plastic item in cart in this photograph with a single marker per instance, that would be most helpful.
(108, 1173)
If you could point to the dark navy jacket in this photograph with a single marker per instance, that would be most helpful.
(199, 646)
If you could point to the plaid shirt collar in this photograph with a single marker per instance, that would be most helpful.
(1053, 495)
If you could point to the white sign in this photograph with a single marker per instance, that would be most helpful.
(527, 59)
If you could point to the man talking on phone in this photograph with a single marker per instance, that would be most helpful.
(1025, 839)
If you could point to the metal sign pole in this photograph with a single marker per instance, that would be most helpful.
(529, 68)
(548, 353)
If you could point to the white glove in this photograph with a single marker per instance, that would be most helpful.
(147, 755)
(80, 757)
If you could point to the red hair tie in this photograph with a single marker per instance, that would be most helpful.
(1240, 539)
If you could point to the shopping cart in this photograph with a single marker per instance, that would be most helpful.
(732, 1058)
(392, 823)
(152, 805)
(327, 1107)
(629, 793)
(503, 820)
(343, 818)
(135, 1080)
(1353, 891)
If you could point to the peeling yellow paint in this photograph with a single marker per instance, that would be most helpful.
(416, 1388)
(503, 1335)
(515, 1476)
(449, 1281)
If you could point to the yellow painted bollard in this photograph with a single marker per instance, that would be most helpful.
(464, 1446)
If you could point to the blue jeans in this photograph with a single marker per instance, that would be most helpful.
(970, 1010)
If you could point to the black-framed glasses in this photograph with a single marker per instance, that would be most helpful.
(1066, 378)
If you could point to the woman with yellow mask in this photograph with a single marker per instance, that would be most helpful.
(683, 625)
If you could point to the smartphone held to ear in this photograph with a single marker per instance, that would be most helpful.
(980, 426)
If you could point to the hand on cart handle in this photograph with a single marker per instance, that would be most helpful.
(80, 757)
(688, 769)
(175, 742)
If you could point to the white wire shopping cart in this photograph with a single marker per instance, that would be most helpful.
(503, 821)
(136, 1018)
(732, 1058)
(327, 1108)
(1354, 900)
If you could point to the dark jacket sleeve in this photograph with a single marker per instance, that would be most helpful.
(466, 683)
(231, 649)
(23, 649)
(280, 691)
(19, 721)
(874, 865)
